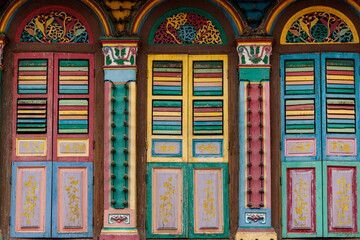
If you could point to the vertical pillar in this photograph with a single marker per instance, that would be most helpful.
(120, 139)
(255, 150)
(2, 45)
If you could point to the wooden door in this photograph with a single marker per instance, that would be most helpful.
(187, 146)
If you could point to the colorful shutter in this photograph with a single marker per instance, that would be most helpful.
(32, 107)
(340, 97)
(208, 108)
(167, 91)
(73, 127)
(300, 118)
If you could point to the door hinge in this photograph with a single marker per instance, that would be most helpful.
(228, 178)
(93, 144)
(280, 181)
(93, 183)
(9, 220)
(10, 181)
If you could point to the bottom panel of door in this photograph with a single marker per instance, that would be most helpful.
(340, 199)
(31, 200)
(72, 199)
(301, 199)
(166, 200)
(208, 200)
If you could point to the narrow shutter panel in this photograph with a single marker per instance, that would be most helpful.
(340, 102)
(32, 107)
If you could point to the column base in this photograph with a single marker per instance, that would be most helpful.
(119, 235)
(256, 234)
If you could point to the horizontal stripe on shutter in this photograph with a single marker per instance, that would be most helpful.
(31, 116)
(340, 76)
(167, 78)
(32, 76)
(299, 116)
(167, 117)
(73, 76)
(73, 116)
(207, 78)
(340, 115)
(299, 77)
(208, 117)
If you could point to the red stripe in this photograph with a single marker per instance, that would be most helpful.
(205, 75)
(166, 74)
(166, 109)
(32, 73)
(332, 72)
(301, 107)
(300, 73)
(340, 106)
(207, 109)
(77, 73)
(77, 108)
(31, 107)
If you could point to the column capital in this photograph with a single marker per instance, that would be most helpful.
(254, 51)
(3, 41)
(119, 52)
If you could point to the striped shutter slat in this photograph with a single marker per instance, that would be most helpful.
(73, 76)
(300, 116)
(31, 116)
(167, 117)
(340, 76)
(299, 77)
(208, 117)
(73, 116)
(32, 76)
(340, 115)
(167, 78)
(207, 78)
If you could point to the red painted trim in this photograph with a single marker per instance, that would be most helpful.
(118, 66)
(57, 96)
(54, 8)
(107, 129)
(254, 66)
(269, 230)
(112, 41)
(254, 40)
(48, 96)
(289, 188)
(330, 200)
(120, 237)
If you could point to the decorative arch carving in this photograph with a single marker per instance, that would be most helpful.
(187, 26)
(319, 25)
(54, 24)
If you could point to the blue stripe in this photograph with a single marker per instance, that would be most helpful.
(172, 123)
(32, 86)
(166, 88)
(300, 87)
(74, 87)
(73, 121)
(340, 86)
(198, 89)
(294, 122)
(207, 123)
(352, 121)
(22, 120)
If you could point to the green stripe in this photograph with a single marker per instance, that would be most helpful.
(208, 132)
(22, 125)
(209, 64)
(208, 70)
(167, 132)
(178, 70)
(73, 102)
(339, 62)
(300, 126)
(32, 69)
(339, 90)
(288, 131)
(74, 69)
(338, 125)
(293, 92)
(32, 63)
(218, 93)
(164, 103)
(339, 68)
(166, 92)
(208, 103)
(31, 101)
(31, 129)
(73, 126)
(208, 128)
(341, 130)
(170, 128)
(298, 102)
(301, 63)
(167, 64)
(74, 63)
(78, 91)
(73, 131)
(21, 91)
(340, 102)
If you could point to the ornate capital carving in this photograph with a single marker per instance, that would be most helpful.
(119, 53)
(254, 51)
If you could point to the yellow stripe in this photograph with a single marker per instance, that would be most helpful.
(202, 114)
(338, 77)
(32, 77)
(207, 79)
(166, 113)
(299, 78)
(71, 112)
(168, 79)
(73, 77)
(31, 111)
(299, 112)
(340, 111)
